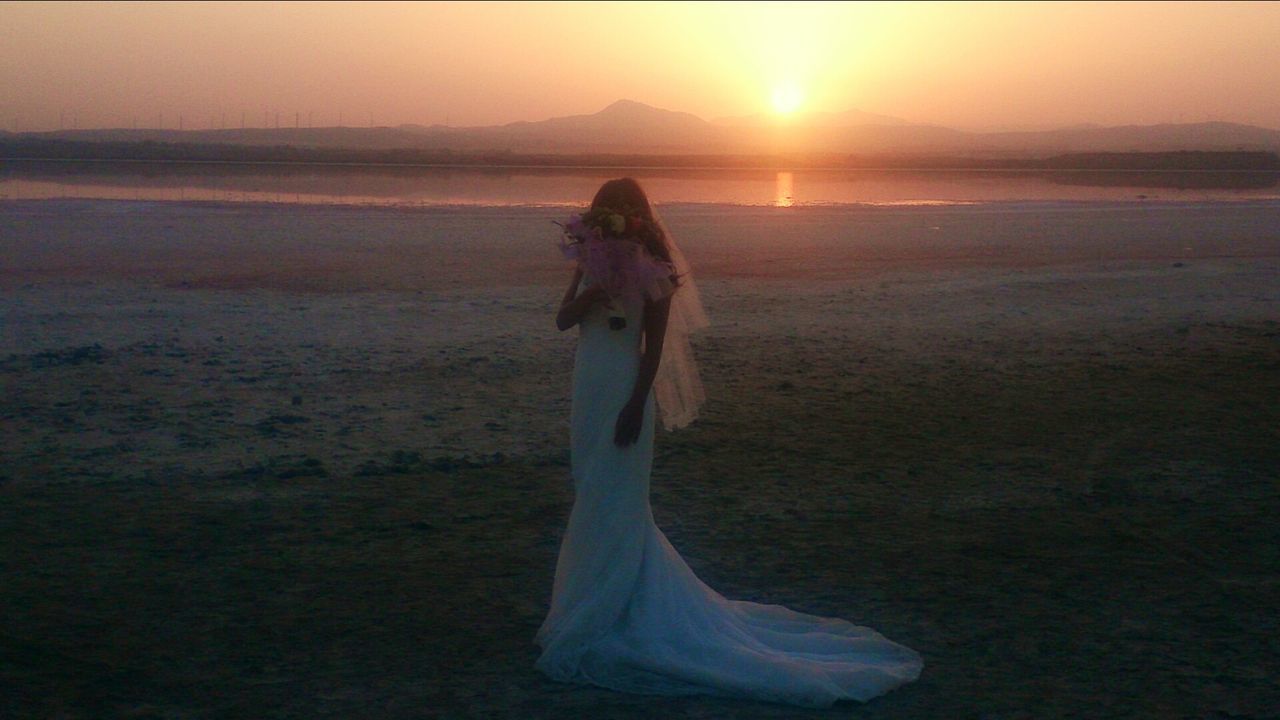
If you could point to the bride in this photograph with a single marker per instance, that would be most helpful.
(626, 612)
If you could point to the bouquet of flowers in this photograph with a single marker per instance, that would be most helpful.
(608, 246)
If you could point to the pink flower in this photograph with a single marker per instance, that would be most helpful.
(621, 265)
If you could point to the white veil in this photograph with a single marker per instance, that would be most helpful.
(677, 386)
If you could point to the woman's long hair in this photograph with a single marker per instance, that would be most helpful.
(624, 195)
(678, 385)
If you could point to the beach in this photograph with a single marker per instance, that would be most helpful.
(311, 461)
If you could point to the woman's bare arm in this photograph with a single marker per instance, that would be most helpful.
(573, 309)
(630, 420)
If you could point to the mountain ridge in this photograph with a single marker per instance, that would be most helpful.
(631, 127)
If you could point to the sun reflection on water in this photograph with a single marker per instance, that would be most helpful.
(784, 185)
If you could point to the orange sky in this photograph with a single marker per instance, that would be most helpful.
(983, 65)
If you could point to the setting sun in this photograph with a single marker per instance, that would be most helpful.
(786, 99)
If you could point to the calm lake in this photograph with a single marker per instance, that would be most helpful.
(416, 186)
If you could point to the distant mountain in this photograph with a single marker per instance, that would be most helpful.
(325, 137)
(627, 114)
(624, 126)
(1129, 138)
(631, 128)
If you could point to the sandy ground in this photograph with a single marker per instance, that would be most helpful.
(310, 462)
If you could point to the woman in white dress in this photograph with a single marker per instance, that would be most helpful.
(626, 612)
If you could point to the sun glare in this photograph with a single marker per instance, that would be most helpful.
(786, 99)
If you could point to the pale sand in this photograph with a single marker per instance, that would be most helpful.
(310, 462)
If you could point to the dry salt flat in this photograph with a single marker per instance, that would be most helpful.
(289, 461)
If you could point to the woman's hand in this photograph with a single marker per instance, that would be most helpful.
(630, 420)
(593, 295)
(573, 307)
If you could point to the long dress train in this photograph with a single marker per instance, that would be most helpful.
(627, 613)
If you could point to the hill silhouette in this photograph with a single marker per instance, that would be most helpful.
(629, 128)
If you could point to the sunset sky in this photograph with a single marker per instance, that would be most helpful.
(972, 66)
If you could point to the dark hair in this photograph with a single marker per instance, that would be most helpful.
(625, 195)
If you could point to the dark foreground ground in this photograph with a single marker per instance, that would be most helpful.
(1066, 520)
(1146, 587)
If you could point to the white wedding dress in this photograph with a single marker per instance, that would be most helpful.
(627, 613)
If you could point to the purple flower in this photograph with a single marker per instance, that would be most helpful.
(622, 265)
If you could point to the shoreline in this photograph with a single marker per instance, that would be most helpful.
(1267, 169)
(1148, 202)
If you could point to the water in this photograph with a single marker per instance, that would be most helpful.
(436, 186)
